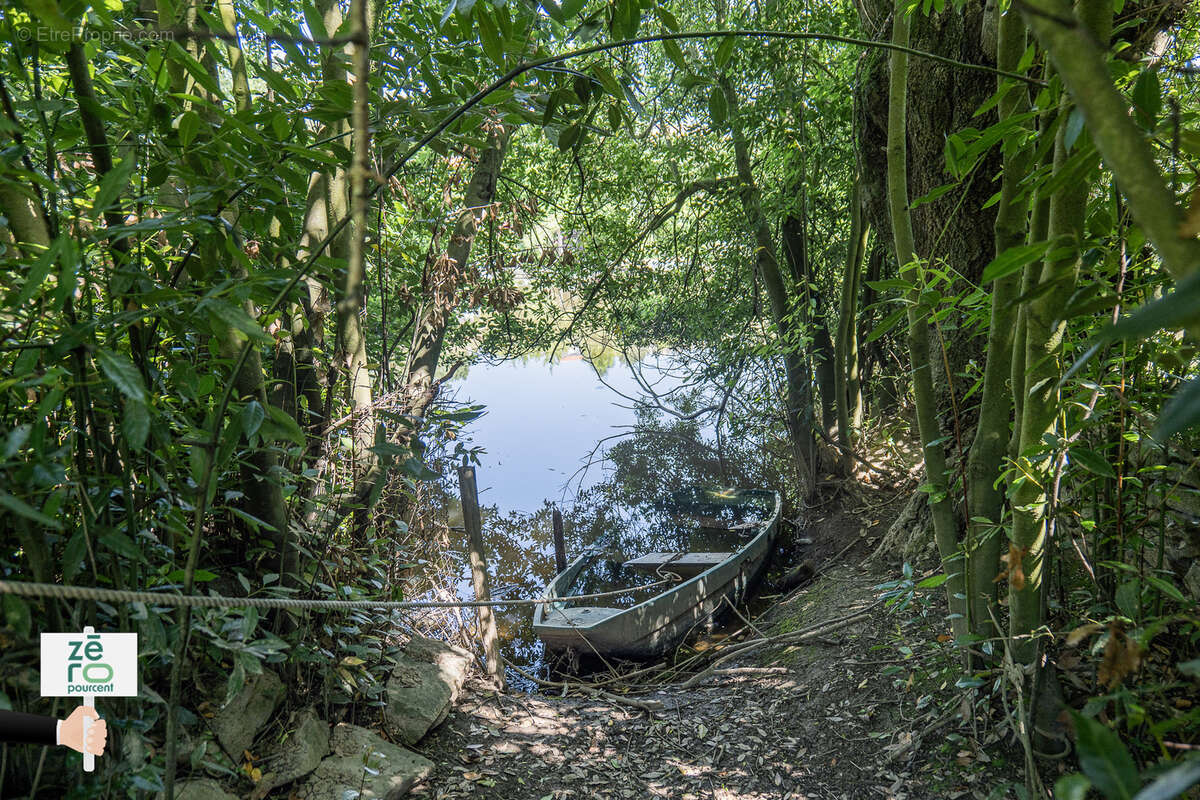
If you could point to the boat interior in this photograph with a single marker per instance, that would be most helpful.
(674, 539)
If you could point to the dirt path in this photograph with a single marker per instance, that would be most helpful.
(851, 714)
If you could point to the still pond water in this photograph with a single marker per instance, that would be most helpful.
(544, 434)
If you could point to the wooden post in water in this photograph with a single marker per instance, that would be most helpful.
(560, 544)
(469, 493)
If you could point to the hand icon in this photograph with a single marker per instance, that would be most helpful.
(72, 731)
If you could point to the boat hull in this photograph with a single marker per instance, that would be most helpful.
(656, 626)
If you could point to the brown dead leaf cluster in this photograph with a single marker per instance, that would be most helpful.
(1013, 570)
(1122, 655)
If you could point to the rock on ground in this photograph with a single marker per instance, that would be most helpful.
(426, 681)
(297, 755)
(364, 767)
(240, 720)
(202, 789)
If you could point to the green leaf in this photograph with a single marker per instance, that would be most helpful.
(627, 18)
(188, 127)
(933, 195)
(489, 34)
(608, 80)
(417, 469)
(1181, 412)
(236, 318)
(16, 614)
(122, 373)
(73, 555)
(21, 508)
(667, 18)
(1166, 587)
(553, 10)
(1105, 760)
(1127, 597)
(724, 52)
(200, 576)
(135, 425)
(933, 581)
(122, 545)
(890, 284)
(716, 106)
(1073, 129)
(48, 13)
(1147, 98)
(1092, 462)
(194, 68)
(567, 137)
(1013, 259)
(282, 427)
(675, 53)
(886, 325)
(111, 186)
(1189, 668)
(1173, 783)
(252, 418)
(1072, 787)
(1176, 310)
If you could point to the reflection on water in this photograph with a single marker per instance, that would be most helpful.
(543, 423)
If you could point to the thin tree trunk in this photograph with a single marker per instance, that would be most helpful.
(1079, 56)
(945, 526)
(1043, 339)
(846, 346)
(444, 274)
(767, 265)
(988, 450)
(353, 344)
(237, 60)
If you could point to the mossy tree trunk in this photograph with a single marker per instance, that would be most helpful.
(847, 390)
(945, 524)
(990, 446)
(1044, 330)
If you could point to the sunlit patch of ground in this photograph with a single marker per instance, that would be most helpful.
(837, 723)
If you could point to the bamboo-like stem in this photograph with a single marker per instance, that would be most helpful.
(846, 346)
(1044, 331)
(990, 445)
(237, 60)
(1079, 55)
(945, 526)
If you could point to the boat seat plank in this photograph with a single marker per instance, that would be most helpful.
(579, 616)
(681, 563)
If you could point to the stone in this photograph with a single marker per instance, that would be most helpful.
(424, 685)
(201, 789)
(1191, 580)
(239, 722)
(301, 751)
(364, 767)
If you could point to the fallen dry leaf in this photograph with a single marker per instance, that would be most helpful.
(1079, 634)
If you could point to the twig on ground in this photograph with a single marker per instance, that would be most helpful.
(590, 689)
(811, 632)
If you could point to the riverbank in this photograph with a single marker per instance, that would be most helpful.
(842, 697)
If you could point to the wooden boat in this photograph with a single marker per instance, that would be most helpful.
(720, 541)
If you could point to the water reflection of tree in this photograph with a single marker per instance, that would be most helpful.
(624, 512)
